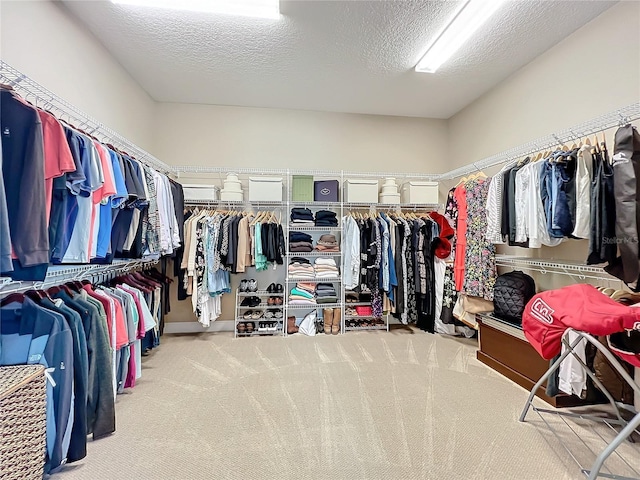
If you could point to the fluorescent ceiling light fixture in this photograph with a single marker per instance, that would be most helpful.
(465, 22)
(244, 8)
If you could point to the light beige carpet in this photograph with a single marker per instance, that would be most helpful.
(367, 405)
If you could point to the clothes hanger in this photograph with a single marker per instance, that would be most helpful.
(11, 298)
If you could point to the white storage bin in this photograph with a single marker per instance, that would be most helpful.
(390, 198)
(231, 196)
(194, 191)
(360, 190)
(265, 189)
(420, 192)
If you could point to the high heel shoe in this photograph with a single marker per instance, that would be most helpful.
(271, 288)
(279, 288)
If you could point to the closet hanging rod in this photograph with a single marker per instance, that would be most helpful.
(59, 274)
(47, 100)
(598, 124)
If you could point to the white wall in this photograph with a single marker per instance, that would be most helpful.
(42, 40)
(591, 72)
(271, 138)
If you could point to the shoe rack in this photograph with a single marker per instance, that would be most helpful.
(257, 314)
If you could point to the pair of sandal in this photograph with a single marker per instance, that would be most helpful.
(250, 285)
(246, 327)
(274, 301)
(277, 313)
(275, 288)
(251, 315)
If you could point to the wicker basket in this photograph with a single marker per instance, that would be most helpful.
(22, 422)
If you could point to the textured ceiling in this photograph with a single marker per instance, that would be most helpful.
(342, 56)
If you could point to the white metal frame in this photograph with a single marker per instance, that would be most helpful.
(577, 271)
(622, 428)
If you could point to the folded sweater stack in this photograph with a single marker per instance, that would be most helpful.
(300, 267)
(300, 242)
(326, 293)
(326, 268)
(301, 296)
(302, 216)
(326, 218)
(327, 243)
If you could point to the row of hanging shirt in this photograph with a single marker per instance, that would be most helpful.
(544, 199)
(86, 202)
(90, 340)
(392, 256)
(218, 243)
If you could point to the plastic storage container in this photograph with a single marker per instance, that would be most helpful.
(360, 190)
(326, 191)
(265, 189)
(302, 188)
(420, 192)
(193, 191)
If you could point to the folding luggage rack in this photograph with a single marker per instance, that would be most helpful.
(600, 428)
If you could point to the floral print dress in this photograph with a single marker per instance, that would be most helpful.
(480, 255)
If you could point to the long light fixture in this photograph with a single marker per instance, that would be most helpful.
(244, 8)
(465, 22)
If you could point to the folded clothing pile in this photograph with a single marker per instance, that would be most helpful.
(326, 268)
(300, 242)
(327, 243)
(301, 267)
(326, 293)
(302, 294)
(326, 218)
(302, 216)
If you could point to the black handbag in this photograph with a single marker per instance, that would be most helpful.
(511, 293)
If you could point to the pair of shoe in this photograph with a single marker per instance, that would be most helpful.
(267, 326)
(332, 317)
(248, 286)
(246, 327)
(276, 312)
(291, 325)
(274, 301)
(250, 314)
(250, 302)
(275, 288)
